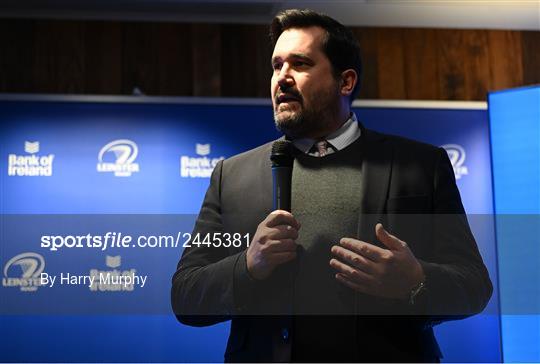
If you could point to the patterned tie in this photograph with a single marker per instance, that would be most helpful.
(322, 147)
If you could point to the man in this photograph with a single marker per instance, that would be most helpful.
(327, 281)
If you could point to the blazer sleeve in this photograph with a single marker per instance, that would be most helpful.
(457, 280)
(204, 284)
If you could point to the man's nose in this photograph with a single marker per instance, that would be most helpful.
(285, 78)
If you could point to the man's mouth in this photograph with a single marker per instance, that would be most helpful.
(286, 98)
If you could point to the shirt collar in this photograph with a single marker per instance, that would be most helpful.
(339, 139)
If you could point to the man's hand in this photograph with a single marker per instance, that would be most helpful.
(273, 244)
(366, 268)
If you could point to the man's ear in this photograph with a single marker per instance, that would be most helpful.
(349, 78)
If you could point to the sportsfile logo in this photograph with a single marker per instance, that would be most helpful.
(125, 152)
(198, 167)
(31, 164)
(457, 155)
(23, 271)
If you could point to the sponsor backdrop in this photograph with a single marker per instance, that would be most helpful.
(107, 191)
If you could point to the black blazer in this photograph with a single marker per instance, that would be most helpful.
(410, 186)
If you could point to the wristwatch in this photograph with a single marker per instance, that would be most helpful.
(416, 292)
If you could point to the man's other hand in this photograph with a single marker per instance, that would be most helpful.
(273, 244)
(366, 268)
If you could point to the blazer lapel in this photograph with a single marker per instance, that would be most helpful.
(377, 159)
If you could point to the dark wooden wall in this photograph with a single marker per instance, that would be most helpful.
(98, 57)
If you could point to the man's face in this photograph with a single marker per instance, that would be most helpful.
(305, 94)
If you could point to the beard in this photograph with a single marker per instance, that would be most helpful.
(308, 120)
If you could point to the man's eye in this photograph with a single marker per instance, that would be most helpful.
(299, 64)
(277, 66)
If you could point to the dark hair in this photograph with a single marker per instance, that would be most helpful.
(340, 45)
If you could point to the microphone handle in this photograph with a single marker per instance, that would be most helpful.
(281, 180)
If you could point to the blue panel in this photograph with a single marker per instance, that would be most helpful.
(76, 133)
(515, 137)
(515, 134)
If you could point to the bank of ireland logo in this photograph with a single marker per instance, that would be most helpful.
(23, 271)
(200, 166)
(115, 279)
(30, 164)
(118, 157)
(457, 155)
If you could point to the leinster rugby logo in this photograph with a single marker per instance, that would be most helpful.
(456, 153)
(124, 152)
(23, 271)
(201, 166)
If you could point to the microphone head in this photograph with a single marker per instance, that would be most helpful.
(282, 155)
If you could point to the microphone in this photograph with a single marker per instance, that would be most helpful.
(282, 163)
